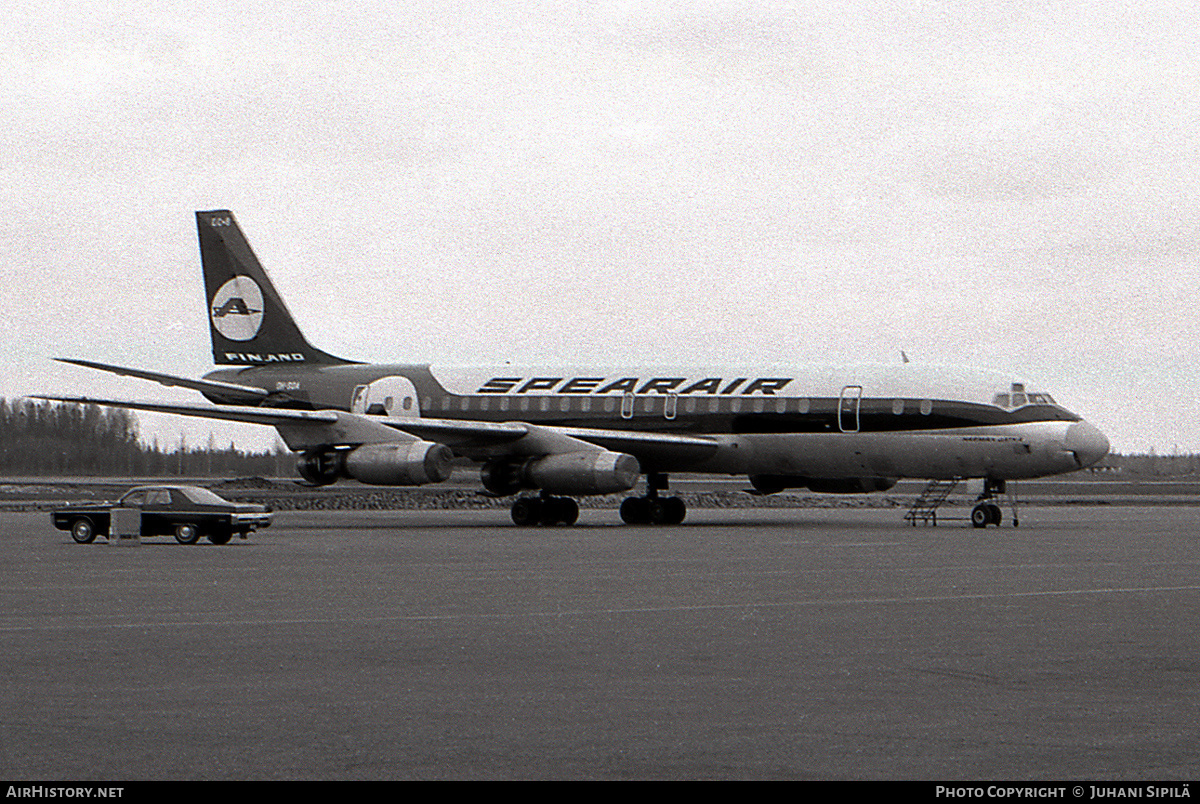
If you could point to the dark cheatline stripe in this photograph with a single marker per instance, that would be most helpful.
(875, 416)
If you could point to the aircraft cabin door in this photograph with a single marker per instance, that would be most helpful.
(387, 396)
(849, 403)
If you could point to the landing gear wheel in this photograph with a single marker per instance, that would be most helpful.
(568, 511)
(187, 534)
(635, 511)
(559, 511)
(82, 531)
(980, 516)
(674, 510)
(996, 515)
(545, 510)
(653, 510)
(526, 511)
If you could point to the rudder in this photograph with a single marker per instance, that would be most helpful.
(248, 321)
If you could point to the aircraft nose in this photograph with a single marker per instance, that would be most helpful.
(1087, 442)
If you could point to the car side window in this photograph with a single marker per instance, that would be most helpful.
(159, 497)
(134, 500)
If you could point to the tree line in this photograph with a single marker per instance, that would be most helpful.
(47, 438)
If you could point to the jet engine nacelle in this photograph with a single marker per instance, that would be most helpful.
(407, 463)
(577, 473)
(321, 468)
(404, 463)
(770, 484)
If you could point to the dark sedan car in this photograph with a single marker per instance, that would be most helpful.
(187, 512)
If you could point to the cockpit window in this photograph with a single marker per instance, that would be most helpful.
(1018, 398)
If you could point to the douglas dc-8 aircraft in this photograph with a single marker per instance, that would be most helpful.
(572, 431)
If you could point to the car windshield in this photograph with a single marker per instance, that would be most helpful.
(203, 496)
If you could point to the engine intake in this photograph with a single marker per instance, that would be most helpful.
(321, 468)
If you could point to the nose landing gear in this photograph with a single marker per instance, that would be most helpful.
(987, 511)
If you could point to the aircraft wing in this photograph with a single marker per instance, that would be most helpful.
(300, 429)
(483, 440)
(232, 413)
(648, 447)
(248, 392)
(479, 440)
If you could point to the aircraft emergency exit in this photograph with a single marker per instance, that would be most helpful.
(570, 431)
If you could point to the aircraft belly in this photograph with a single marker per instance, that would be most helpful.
(1012, 451)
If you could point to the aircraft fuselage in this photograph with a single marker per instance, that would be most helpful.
(810, 421)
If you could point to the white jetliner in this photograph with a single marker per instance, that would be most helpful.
(583, 430)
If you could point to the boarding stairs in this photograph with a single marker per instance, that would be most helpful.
(925, 507)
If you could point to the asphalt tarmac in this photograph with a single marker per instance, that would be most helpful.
(745, 644)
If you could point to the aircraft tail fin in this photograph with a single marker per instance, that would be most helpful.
(248, 321)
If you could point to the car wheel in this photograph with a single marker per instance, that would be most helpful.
(187, 534)
(83, 531)
(220, 536)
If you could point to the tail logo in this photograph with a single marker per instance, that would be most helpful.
(237, 309)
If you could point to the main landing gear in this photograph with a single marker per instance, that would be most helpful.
(545, 510)
(652, 509)
(987, 511)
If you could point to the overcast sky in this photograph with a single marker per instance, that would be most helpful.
(1008, 185)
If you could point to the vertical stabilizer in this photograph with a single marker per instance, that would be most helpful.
(249, 323)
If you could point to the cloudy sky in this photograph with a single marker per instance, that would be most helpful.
(1008, 185)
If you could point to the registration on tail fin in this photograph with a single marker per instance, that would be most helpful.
(249, 323)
